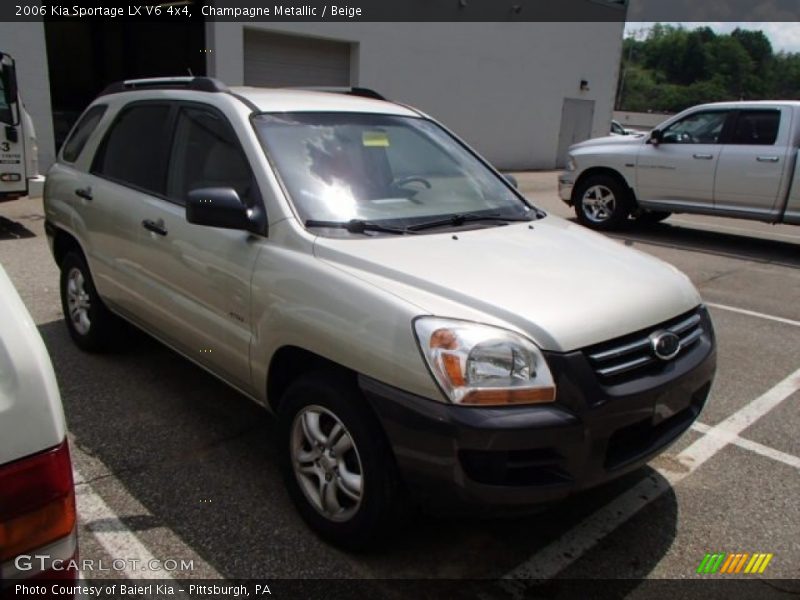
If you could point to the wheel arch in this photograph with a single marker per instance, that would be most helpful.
(606, 171)
(290, 362)
(63, 243)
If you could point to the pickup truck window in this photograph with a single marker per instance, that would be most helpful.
(756, 127)
(397, 170)
(80, 134)
(697, 128)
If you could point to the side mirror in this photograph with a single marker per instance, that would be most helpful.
(218, 207)
(656, 136)
(511, 179)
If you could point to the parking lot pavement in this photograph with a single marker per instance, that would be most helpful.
(174, 465)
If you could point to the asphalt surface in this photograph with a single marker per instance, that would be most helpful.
(174, 464)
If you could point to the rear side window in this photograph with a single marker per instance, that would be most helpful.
(134, 150)
(206, 153)
(80, 134)
(757, 127)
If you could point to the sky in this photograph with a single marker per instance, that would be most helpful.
(783, 36)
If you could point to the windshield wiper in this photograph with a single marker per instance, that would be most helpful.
(357, 226)
(460, 219)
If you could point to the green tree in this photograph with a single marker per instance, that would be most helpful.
(674, 68)
(731, 62)
(786, 77)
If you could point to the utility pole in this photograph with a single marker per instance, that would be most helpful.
(626, 65)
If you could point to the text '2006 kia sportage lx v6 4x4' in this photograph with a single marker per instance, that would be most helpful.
(418, 327)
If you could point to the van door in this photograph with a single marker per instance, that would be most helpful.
(199, 275)
(751, 172)
(13, 177)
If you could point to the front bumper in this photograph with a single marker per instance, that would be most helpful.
(466, 458)
(36, 186)
(565, 185)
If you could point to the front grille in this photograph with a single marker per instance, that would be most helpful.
(632, 355)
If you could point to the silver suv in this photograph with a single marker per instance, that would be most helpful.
(419, 328)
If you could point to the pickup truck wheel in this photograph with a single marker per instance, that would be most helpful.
(91, 325)
(602, 202)
(651, 217)
(336, 462)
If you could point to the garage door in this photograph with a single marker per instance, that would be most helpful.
(272, 59)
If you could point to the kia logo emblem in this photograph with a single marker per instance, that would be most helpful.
(665, 344)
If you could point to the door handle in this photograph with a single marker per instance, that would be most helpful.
(154, 227)
(85, 193)
(767, 159)
(703, 156)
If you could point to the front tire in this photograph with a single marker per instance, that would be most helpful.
(336, 462)
(602, 202)
(91, 325)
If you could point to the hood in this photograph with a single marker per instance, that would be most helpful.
(559, 283)
(612, 140)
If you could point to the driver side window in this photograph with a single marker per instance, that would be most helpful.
(697, 128)
(206, 153)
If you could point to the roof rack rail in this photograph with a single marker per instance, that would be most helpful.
(352, 91)
(199, 84)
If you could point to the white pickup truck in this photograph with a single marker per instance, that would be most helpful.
(732, 159)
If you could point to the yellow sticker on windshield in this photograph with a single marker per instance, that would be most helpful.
(378, 139)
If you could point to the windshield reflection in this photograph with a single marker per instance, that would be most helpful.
(380, 168)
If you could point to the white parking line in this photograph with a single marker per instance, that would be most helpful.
(573, 544)
(752, 313)
(789, 459)
(114, 536)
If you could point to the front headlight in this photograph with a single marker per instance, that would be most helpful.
(483, 365)
(570, 163)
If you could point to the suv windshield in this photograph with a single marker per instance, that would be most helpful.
(393, 170)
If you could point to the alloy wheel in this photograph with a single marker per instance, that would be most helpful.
(78, 301)
(599, 203)
(326, 463)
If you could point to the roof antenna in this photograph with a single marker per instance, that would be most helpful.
(189, 70)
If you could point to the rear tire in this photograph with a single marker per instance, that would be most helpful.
(602, 202)
(91, 325)
(336, 462)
